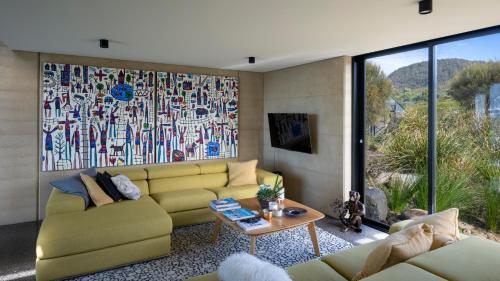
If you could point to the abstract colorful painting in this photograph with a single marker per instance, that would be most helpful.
(197, 117)
(96, 117)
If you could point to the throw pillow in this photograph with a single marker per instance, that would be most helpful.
(105, 182)
(96, 193)
(445, 226)
(242, 173)
(74, 185)
(126, 187)
(398, 247)
(245, 267)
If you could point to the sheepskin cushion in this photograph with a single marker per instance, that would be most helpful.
(245, 267)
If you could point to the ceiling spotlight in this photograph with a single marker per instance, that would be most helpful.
(104, 43)
(251, 60)
(425, 7)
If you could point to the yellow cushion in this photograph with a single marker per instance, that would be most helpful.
(97, 228)
(236, 192)
(172, 170)
(213, 167)
(192, 217)
(314, 270)
(187, 182)
(396, 248)
(242, 173)
(132, 173)
(404, 271)
(98, 196)
(472, 258)
(445, 226)
(265, 177)
(183, 200)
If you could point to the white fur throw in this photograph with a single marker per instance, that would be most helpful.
(245, 267)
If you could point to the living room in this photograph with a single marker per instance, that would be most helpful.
(250, 140)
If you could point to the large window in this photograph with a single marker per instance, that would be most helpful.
(427, 134)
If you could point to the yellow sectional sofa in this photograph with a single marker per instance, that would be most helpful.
(74, 241)
(468, 259)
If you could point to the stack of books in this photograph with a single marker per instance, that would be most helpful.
(224, 204)
(252, 224)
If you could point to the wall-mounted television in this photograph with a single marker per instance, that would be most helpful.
(290, 131)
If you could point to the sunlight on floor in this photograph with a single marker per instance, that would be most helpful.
(371, 238)
(17, 275)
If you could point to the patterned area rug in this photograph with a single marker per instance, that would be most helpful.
(194, 254)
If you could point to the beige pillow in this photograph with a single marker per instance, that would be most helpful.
(398, 247)
(445, 226)
(95, 191)
(242, 173)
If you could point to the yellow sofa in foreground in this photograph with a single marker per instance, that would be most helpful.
(74, 241)
(469, 259)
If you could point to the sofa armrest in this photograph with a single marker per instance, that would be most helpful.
(265, 177)
(60, 202)
(395, 227)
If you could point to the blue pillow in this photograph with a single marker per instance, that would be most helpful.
(74, 185)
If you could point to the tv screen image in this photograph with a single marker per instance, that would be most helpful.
(290, 131)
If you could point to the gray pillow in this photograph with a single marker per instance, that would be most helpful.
(74, 185)
(126, 187)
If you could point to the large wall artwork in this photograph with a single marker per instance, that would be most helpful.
(101, 117)
(96, 116)
(197, 117)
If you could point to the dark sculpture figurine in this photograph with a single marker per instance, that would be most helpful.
(352, 212)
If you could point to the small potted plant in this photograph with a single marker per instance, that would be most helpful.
(268, 193)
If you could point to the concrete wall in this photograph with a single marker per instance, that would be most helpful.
(18, 135)
(322, 89)
(20, 177)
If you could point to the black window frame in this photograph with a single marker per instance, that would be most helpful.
(359, 105)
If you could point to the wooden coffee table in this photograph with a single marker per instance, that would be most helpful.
(277, 223)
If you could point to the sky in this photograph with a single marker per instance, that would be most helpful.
(479, 48)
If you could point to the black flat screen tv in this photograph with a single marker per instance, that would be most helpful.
(290, 131)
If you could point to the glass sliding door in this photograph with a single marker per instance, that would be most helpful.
(417, 151)
(468, 131)
(396, 97)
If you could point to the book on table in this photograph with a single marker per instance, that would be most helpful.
(250, 224)
(224, 204)
(238, 214)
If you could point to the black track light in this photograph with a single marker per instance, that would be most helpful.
(251, 60)
(104, 43)
(425, 7)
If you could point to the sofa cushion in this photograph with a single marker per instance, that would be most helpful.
(213, 167)
(138, 176)
(98, 228)
(74, 185)
(187, 182)
(472, 258)
(172, 170)
(242, 173)
(183, 200)
(236, 192)
(351, 261)
(445, 226)
(397, 248)
(404, 271)
(313, 270)
(98, 196)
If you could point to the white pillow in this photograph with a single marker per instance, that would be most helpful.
(126, 187)
(245, 267)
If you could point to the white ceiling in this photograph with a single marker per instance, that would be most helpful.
(223, 33)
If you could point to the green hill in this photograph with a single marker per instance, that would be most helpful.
(414, 76)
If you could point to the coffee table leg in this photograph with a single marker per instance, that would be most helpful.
(314, 238)
(217, 226)
(253, 242)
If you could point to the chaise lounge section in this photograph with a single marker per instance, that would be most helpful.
(74, 241)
